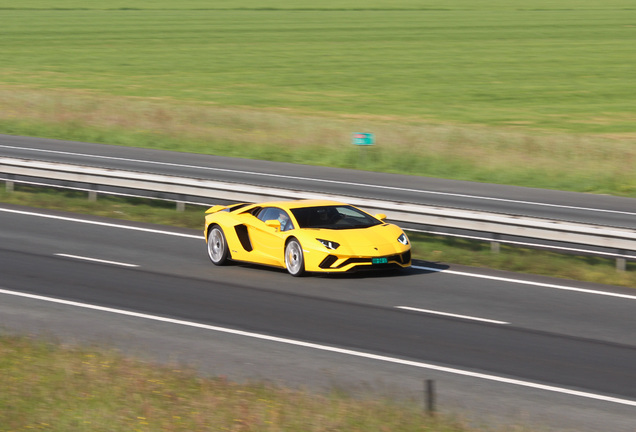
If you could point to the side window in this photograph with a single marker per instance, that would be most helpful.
(267, 213)
(273, 213)
(285, 222)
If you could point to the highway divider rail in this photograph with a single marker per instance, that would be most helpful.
(617, 243)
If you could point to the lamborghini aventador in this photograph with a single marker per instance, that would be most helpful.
(305, 236)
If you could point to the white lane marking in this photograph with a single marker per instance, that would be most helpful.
(106, 224)
(201, 237)
(467, 317)
(83, 258)
(344, 351)
(524, 282)
(366, 185)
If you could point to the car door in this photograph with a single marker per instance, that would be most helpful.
(268, 241)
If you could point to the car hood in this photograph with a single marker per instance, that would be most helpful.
(371, 241)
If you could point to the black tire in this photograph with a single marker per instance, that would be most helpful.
(217, 246)
(294, 258)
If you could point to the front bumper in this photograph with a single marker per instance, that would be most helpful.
(333, 263)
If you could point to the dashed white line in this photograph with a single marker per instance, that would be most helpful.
(332, 349)
(83, 258)
(467, 317)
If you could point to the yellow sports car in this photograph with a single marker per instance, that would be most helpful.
(305, 236)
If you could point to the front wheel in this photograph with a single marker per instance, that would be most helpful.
(294, 260)
(217, 246)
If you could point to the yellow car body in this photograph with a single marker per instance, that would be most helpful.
(305, 236)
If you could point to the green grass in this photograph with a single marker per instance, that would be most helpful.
(425, 247)
(535, 94)
(566, 68)
(50, 387)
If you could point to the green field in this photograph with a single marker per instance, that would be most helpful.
(566, 68)
(535, 93)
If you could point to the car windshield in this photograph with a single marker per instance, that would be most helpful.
(333, 217)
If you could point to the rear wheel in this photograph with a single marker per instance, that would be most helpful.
(217, 246)
(294, 259)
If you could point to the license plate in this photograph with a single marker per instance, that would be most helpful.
(379, 260)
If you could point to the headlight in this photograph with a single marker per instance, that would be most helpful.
(403, 239)
(329, 244)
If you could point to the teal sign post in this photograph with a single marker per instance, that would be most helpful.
(362, 138)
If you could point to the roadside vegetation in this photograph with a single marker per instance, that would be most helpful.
(58, 388)
(425, 247)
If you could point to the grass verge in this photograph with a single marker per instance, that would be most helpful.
(47, 386)
(540, 159)
(425, 247)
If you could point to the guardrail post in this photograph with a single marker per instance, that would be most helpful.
(180, 206)
(621, 263)
(10, 186)
(92, 196)
(495, 246)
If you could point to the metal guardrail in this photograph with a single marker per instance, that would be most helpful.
(180, 189)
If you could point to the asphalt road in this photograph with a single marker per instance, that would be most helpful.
(506, 347)
(557, 205)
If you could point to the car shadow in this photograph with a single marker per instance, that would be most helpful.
(418, 268)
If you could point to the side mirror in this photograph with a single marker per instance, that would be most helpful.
(273, 224)
(381, 216)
